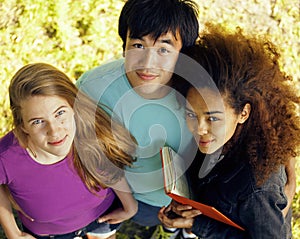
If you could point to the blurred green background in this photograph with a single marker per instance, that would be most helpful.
(78, 35)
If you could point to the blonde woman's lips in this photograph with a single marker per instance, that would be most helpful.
(58, 142)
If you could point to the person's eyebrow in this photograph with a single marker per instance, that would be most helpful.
(160, 40)
(166, 41)
(32, 119)
(213, 112)
(207, 112)
(59, 108)
(189, 110)
(54, 112)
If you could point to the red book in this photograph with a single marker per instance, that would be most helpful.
(176, 186)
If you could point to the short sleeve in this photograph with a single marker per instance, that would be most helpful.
(3, 175)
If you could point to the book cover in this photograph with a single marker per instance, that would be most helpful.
(176, 186)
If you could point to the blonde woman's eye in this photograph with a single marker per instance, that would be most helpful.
(61, 112)
(37, 122)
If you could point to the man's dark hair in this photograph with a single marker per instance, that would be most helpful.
(157, 17)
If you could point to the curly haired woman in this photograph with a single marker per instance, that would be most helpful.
(242, 111)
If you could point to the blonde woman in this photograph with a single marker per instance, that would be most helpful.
(63, 161)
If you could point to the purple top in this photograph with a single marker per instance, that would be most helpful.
(53, 195)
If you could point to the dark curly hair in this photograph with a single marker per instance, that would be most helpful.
(246, 70)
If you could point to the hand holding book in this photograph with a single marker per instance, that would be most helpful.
(178, 215)
(176, 209)
(176, 186)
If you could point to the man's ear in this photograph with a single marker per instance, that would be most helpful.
(244, 115)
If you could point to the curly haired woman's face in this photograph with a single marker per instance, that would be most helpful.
(211, 120)
(50, 125)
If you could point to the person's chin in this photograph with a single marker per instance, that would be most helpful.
(207, 150)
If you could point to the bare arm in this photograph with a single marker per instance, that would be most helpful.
(7, 219)
(290, 187)
(129, 204)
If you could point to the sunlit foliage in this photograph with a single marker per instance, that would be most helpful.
(78, 35)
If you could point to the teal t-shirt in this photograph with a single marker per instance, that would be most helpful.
(154, 123)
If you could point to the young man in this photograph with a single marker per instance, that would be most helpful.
(137, 91)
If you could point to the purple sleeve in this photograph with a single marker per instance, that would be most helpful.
(3, 178)
(4, 144)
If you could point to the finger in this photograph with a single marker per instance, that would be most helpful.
(103, 219)
(162, 211)
(167, 210)
(191, 213)
(114, 221)
(183, 223)
(165, 220)
(177, 222)
(184, 207)
(181, 209)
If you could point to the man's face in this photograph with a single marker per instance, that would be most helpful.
(149, 64)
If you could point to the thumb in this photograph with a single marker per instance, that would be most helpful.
(104, 218)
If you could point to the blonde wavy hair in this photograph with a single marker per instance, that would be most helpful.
(101, 148)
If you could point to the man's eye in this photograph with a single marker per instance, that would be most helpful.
(138, 45)
(163, 51)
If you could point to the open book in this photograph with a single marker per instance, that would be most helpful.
(176, 186)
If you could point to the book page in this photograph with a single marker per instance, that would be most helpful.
(181, 186)
(173, 168)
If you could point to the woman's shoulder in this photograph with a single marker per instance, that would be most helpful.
(7, 142)
(276, 180)
(275, 183)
